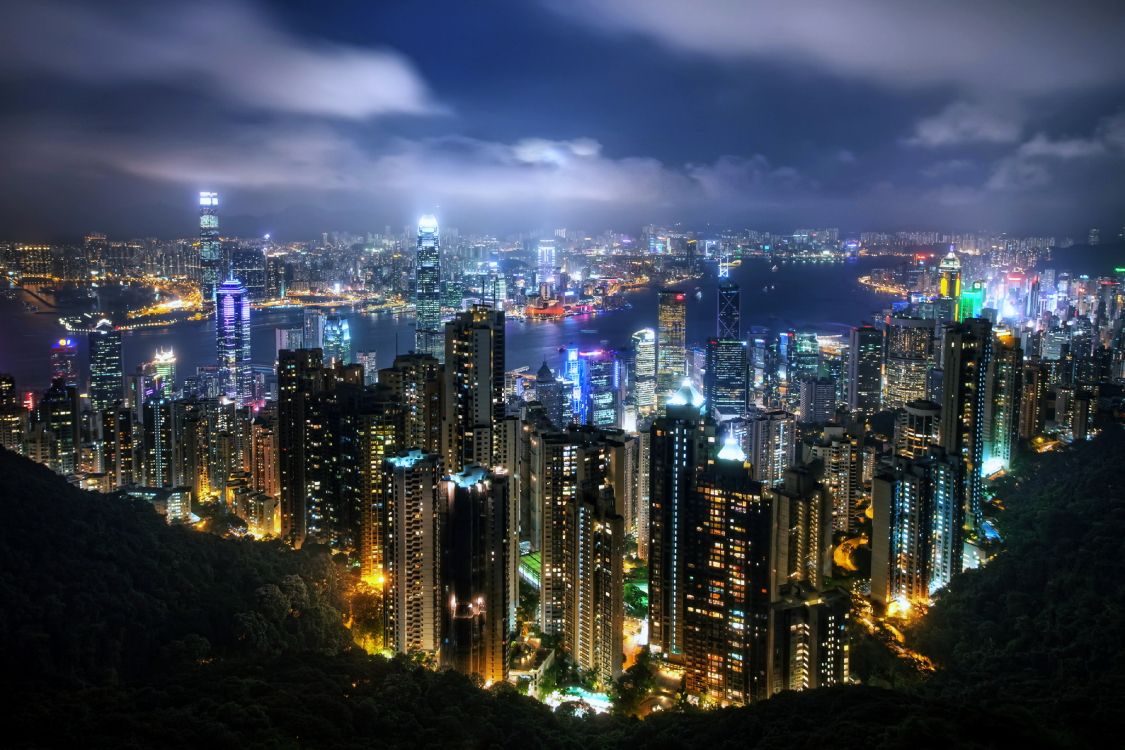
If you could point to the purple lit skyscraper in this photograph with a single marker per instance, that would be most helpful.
(232, 340)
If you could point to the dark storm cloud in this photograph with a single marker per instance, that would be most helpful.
(507, 115)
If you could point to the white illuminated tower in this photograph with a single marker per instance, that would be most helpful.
(232, 340)
(210, 249)
(427, 298)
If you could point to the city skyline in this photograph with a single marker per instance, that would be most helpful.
(831, 118)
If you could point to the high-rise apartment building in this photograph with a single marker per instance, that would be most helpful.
(773, 444)
(865, 365)
(473, 387)
(909, 358)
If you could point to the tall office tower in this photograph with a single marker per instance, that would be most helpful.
(414, 506)
(163, 372)
(248, 265)
(865, 369)
(232, 341)
(601, 388)
(681, 446)
(193, 449)
(473, 386)
(64, 361)
(801, 543)
(118, 442)
(211, 270)
(547, 261)
(917, 519)
(730, 312)
(595, 641)
(554, 395)
(841, 456)
(479, 554)
(808, 639)
(107, 376)
(806, 356)
(427, 297)
(313, 337)
(949, 271)
(337, 340)
(58, 414)
(370, 364)
(773, 444)
(13, 417)
(415, 380)
(1004, 394)
(916, 428)
(724, 382)
(562, 462)
(727, 582)
(909, 357)
(1032, 418)
(966, 361)
(671, 344)
(818, 400)
(643, 380)
(972, 301)
(160, 442)
(300, 378)
(380, 429)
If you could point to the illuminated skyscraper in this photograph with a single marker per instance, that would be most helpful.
(427, 298)
(724, 381)
(337, 340)
(910, 355)
(232, 341)
(865, 369)
(773, 444)
(595, 639)
(808, 639)
(107, 382)
(916, 429)
(806, 358)
(313, 337)
(644, 371)
(164, 372)
(682, 441)
(478, 553)
(727, 582)
(64, 361)
(966, 362)
(730, 312)
(13, 417)
(801, 544)
(972, 301)
(1005, 393)
(949, 271)
(601, 388)
(671, 345)
(413, 593)
(474, 387)
(160, 440)
(210, 249)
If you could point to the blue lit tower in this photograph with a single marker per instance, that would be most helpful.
(232, 340)
(106, 373)
(427, 298)
(600, 388)
(210, 250)
(730, 312)
(643, 381)
(725, 378)
(337, 340)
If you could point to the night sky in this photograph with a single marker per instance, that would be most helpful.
(504, 116)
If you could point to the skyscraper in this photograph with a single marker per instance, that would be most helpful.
(949, 272)
(773, 444)
(232, 341)
(727, 582)
(681, 443)
(164, 372)
(601, 388)
(595, 638)
(730, 312)
(865, 369)
(413, 593)
(818, 400)
(106, 371)
(671, 345)
(427, 298)
(554, 395)
(1005, 393)
(474, 387)
(478, 554)
(916, 429)
(337, 343)
(210, 249)
(299, 379)
(724, 381)
(644, 371)
(64, 361)
(313, 337)
(801, 544)
(966, 362)
(910, 355)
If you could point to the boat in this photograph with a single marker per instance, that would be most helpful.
(774, 267)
